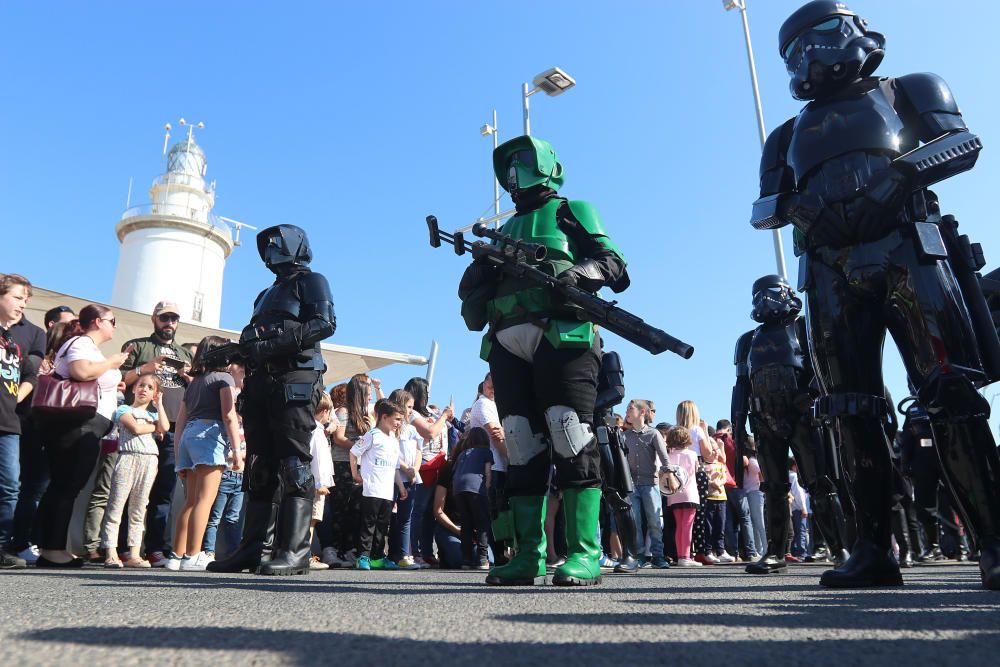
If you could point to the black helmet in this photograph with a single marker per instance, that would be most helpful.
(774, 300)
(826, 46)
(283, 248)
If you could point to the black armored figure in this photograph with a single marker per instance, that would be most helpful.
(281, 347)
(851, 172)
(773, 389)
(616, 477)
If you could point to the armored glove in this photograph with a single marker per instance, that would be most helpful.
(586, 275)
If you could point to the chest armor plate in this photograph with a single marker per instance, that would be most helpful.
(864, 121)
(278, 304)
(540, 226)
(775, 345)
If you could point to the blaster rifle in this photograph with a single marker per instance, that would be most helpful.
(223, 355)
(510, 256)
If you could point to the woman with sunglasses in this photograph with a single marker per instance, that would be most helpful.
(73, 444)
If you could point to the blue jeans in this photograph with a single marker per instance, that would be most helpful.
(646, 501)
(399, 525)
(449, 547)
(226, 510)
(422, 523)
(755, 500)
(10, 484)
(739, 526)
(800, 541)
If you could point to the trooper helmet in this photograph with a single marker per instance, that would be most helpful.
(525, 162)
(774, 300)
(284, 247)
(826, 46)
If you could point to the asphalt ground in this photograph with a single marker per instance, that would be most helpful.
(706, 617)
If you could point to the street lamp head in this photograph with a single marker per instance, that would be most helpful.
(182, 122)
(167, 127)
(554, 82)
(486, 130)
(733, 4)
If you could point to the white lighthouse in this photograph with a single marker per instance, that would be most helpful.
(175, 248)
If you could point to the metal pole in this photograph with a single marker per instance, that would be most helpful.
(431, 364)
(779, 251)
(524, 96)
(496, 183)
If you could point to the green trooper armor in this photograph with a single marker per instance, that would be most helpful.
(530, 162)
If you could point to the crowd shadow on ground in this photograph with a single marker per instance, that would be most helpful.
(243, 645)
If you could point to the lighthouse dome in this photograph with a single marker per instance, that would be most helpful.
(186, 157)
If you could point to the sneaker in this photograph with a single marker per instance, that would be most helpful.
(196, 563)
(363, 563)
(484, 564)
(157, 559)
(316, 564)
(725, 558)
(644, 563)
(349, 557)
(11, 562)
(607, 562)
(173, 563)
(420, 563)
(388, 564)
(705, 559)
(660, 563)
(431, 561)
(687, 562)
(408, 563)
(329, 557)
(28, 555)
(792, 559)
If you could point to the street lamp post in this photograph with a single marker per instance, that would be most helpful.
(779, 251)
(487, 130)
(552, 82)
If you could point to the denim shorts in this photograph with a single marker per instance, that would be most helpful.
(203, 443)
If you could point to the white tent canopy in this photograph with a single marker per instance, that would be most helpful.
(341, 361)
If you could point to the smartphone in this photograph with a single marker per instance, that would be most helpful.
(174, 362)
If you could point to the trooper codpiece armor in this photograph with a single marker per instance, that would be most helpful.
(773, 390)
(874, 257)
(284, 380)
(544, 359)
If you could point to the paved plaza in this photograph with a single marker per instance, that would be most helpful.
(707, 617)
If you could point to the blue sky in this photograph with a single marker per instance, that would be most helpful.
(355, 120)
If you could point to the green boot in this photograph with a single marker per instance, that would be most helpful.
(527, 567)
(582, 507)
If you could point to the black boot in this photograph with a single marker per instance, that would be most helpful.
(258, 527)
(776, 520)
(292, 552)
(868, 566)
(626, 535)
(291, 547)
(828, 517)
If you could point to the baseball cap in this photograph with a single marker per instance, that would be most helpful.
(166, 307)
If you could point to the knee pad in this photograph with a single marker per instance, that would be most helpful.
(775, 488)
(296, 478)
(569, 434)
(523, 444)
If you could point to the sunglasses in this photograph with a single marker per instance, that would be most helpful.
(168, 318)
(112, 320)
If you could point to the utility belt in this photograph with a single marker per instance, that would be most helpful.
(832, 229)
(560, 325)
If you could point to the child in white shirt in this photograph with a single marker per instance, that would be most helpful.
(322, 468)
(378, 453)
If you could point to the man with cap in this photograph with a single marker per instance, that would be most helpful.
(159, 353)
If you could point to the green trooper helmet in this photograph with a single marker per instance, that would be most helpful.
(524, 162)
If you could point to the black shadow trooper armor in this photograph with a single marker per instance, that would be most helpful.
(544, 359)
(773, 389)
(283, 384)
(875, 254)
(617, 485)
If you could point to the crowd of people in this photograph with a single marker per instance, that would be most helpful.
(400, 482)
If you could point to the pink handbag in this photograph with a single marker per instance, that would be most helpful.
(56, 396)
